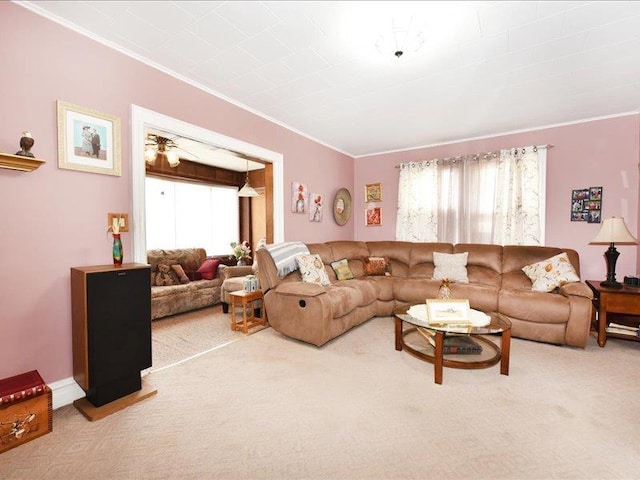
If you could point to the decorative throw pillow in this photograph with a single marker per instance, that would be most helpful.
(312, 269)
(209, 268)
(179, 271)
(377, 266)
(452, 266)
(551, 273)
(165, 276)
(341, 267)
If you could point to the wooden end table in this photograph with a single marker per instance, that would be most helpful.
(245, 300)
(625, 300)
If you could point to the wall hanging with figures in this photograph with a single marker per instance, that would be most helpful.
(586, 205)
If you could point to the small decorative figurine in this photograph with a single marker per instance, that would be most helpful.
(445, 290)
(26, 142)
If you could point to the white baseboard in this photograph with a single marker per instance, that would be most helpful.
(65, 391)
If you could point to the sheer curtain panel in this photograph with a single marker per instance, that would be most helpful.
(496, 197)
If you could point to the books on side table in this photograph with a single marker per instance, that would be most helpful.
(623, 330)
(453, 344)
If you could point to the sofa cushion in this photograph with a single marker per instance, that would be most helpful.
(377, 266)
(178, 270)
(312, 269)
(342, 270)
(549, 274)
(452, 266)
(165, 276)
(209, 268)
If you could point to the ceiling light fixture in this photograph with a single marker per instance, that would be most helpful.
(402, 37)
(247, 190)
(160, 147)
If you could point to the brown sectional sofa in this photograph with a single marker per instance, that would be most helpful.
(198, 293)
(316, 314)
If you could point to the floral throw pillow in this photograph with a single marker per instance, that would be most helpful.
(341, 267)
(551, 273)
(450, 266)
(377, 266)
(312, 269)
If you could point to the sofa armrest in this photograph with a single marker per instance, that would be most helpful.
(234, 271)
(579, 289)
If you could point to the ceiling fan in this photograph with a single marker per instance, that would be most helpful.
(158, 146)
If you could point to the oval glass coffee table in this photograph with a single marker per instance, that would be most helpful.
(415, 342)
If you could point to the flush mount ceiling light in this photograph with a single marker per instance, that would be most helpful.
(247, 190)
(402, 37)
(160, 147)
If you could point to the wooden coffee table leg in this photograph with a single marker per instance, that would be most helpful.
(398, 334)
(438, 357)
(506, 347)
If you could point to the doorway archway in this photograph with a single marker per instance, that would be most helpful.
(142, 118)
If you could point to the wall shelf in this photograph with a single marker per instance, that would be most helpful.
(16, 162)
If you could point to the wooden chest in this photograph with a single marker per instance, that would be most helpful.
(25, 410)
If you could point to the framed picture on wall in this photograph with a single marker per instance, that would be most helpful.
(88, 140)
(586, 205)
(299, 197)
(373, 192)
(373, 217)
(315, 207)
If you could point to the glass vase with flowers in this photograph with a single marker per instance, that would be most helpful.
(242, 252)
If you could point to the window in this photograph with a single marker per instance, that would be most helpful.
(490, 198)
(186, 215)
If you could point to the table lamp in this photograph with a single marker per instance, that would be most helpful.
(612, 231)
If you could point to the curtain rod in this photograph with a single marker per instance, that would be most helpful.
(487, 153)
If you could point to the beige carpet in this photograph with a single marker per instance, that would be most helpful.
(268, 407)
(180, 337)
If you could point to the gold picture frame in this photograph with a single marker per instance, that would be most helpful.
(448, 311)
(373, 192)
(88, 140)
(373, 217)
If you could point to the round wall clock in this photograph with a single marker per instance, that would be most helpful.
(342, 206)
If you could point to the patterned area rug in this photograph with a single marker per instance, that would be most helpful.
(178, 338)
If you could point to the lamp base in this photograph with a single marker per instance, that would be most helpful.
(610, 284)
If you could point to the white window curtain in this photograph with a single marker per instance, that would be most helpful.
(496, 197)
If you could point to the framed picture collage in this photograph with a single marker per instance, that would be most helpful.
(586, 205)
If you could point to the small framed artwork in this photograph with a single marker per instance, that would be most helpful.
(315, 210)
(88, 140)
(373, 192)
(444, 311)
(373, 217)
(299, 197)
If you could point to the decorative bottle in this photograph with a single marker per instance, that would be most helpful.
(117, 250)
(444, 291)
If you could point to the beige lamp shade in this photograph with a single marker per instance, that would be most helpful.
(614, 230)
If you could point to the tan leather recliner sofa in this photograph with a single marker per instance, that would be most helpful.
(316, 314)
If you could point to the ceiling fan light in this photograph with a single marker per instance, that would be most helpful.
(173, 158)
(150, 155)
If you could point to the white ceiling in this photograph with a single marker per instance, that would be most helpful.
(485, 68)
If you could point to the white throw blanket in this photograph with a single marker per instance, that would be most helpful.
(284, 255)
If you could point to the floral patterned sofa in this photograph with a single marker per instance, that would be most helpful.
(173, 293)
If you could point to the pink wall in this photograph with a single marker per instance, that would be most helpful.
(54, 219)
(598, 153)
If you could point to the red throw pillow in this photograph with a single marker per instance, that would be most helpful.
(209, 268)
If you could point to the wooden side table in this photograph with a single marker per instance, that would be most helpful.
(625, 300)
(245, 301)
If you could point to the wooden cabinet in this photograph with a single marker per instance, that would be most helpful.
(111, 319)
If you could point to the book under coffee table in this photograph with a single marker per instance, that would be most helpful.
(415, 343)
